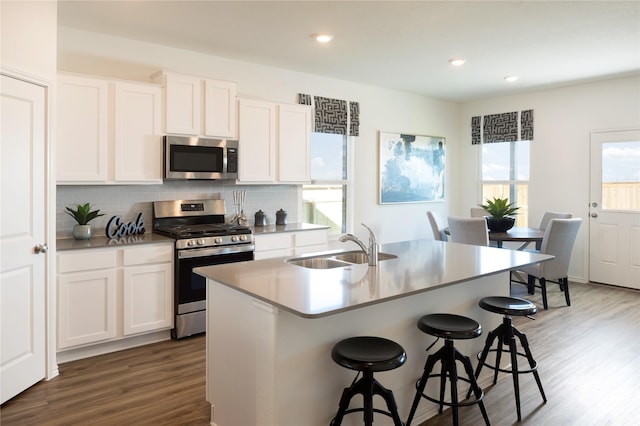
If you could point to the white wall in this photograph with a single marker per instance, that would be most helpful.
(560, 170)
(380, 109)
(28, 42)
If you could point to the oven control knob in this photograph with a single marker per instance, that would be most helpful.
(191, 243)
(218, 240)
(234, 239)
(200, 242)
(243, 238)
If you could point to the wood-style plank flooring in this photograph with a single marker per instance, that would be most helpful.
(589, 356)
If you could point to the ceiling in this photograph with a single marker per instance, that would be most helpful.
(401, 45)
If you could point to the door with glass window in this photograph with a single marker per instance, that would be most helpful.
(614, 223)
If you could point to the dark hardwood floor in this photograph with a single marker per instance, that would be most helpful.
(589, 356)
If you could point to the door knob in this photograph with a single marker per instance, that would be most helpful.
(594, 214)
(40, 248)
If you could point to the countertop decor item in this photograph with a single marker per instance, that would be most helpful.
(281, 217)
(83, 215)
(260, 219)
(501, 214)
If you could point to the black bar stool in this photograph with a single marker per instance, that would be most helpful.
(449, 327)
(367, 355)
(506, 334)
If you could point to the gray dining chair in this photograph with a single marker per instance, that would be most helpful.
(478, 212)
(468, 230)
(438, 231)
(558, 240)
(546, 217)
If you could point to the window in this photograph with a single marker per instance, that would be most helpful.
(505, 173)
(325, 200)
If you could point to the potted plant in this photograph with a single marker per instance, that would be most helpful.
(83, 215)
(501, 214)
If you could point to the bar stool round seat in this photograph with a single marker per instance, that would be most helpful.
(506, 334)
(513, 306)
(368, 354)
(450, 327)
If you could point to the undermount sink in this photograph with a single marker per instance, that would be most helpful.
(336, 260)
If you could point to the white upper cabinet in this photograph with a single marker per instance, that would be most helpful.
(109, 131)
(294, 143)
(198, 106)
(138, 125)
(220, 109)
(257, 141)
(82, 134)
(274, 142)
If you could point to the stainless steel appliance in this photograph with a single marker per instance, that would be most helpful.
(194, 158)
(202, 239)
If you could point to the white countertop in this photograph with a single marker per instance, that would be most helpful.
(421, 266)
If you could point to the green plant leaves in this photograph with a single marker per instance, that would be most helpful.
(83, 214)
(500, 207)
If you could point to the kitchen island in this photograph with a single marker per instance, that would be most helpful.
(271, 326)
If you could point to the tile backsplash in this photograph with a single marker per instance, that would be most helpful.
(127, 201)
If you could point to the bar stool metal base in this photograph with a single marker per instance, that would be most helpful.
(450, 327)
(506, 334)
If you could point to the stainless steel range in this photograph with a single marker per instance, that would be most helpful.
(202, 239)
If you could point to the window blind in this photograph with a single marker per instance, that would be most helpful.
(502, 127)
(332, 115)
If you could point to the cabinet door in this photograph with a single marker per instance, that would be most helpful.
(294, 143)
(148, 298)
(273, 245)
(86, 307)
(220, 109)
(138, 140)
(257, 135)
(183, 104)
(82, 133)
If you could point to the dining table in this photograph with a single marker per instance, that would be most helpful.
(520, 234)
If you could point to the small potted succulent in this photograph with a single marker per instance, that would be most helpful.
(83, 215)
(501, 214)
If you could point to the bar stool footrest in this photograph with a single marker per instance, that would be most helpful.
(451, 404)
(360, 410)
(510, 371)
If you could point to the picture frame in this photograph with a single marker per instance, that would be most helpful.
(411, 168)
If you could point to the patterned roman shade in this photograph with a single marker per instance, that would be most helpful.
(502, 127)
(332, 116)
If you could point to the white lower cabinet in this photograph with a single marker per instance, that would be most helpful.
(282, 244)
(113, 293)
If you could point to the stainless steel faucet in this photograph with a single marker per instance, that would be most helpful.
(372, 251)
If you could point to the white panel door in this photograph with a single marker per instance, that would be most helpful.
(22, 267)
(614, 231)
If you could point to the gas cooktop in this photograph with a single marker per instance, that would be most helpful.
(202, 230)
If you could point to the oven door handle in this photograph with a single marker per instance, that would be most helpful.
(212, 251)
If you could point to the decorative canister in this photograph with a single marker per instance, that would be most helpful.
(260, 218)
(281, 217)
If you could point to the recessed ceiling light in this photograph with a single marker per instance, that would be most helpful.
(322, 38)
(457, 62)
(511, 78)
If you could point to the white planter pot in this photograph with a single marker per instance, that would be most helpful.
(82, 232)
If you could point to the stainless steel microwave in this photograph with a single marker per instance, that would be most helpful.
(194, 158)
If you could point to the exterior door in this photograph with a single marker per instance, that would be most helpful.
(614, 229)
(22, 229)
